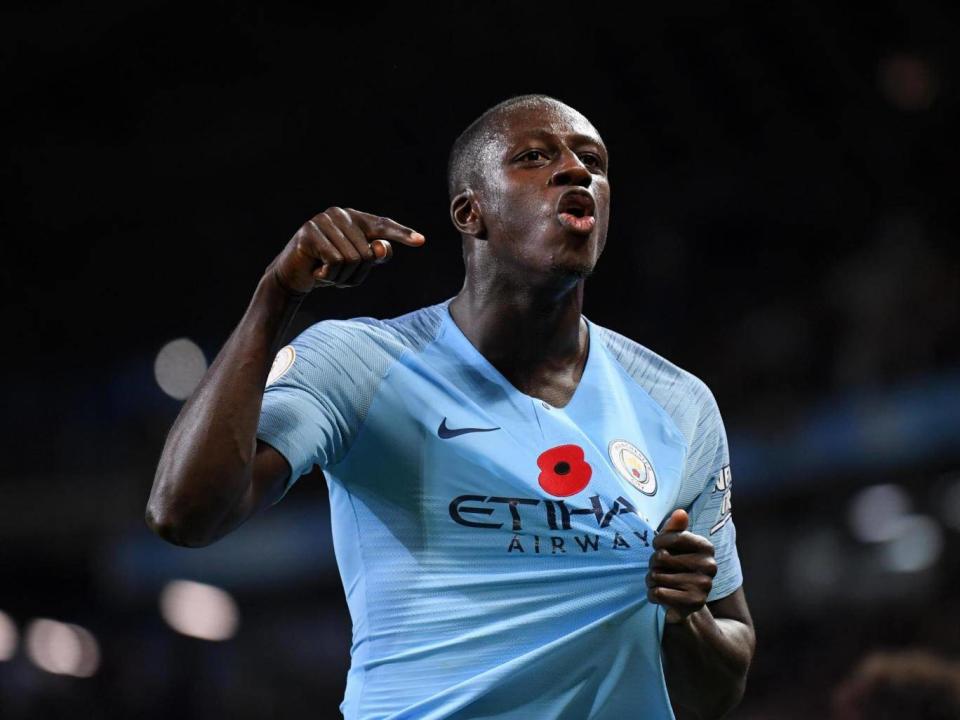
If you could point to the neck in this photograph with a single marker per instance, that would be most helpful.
(531, 334)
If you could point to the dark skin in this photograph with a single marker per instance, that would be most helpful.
(522, 296)
(520, 305)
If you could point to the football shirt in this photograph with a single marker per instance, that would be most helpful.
(493, 548)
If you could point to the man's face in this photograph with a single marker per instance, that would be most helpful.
(540, 154)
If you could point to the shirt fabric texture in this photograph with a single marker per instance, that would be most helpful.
(493, 548)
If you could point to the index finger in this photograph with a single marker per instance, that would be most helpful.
(375, 226)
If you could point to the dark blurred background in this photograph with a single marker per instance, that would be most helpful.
(784, 225)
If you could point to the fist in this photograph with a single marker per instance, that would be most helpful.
(338, 247)
(682, 569)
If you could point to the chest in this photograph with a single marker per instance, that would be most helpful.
(483, 469)
(557, 389)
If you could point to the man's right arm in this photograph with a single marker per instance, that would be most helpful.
(213, 473)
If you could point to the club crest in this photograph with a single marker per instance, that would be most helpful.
(633, 466)
(281, 363)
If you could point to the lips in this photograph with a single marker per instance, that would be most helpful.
(575, 210)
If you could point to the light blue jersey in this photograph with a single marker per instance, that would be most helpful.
(493, 548)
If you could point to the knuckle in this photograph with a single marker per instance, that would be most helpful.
(340, 213)
(304, 244)
(305, 230)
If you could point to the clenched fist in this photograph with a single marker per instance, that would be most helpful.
(338, 247)
(682, 568)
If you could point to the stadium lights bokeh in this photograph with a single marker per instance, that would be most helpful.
(199, 610)
(62, 648)
(8, 637)
(178, 368)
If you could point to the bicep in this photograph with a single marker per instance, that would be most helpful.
(271, 477)
(271, 472)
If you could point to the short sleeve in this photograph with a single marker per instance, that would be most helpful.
(318, 392)
(710, 513)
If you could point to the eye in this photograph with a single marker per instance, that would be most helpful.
(528, 153)
(591, 160)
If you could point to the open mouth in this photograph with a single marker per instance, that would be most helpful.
(576, 211)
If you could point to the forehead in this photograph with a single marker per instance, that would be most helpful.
(542, 117)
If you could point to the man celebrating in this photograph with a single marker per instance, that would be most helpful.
(498, 464)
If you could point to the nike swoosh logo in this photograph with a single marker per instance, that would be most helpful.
(446, 433)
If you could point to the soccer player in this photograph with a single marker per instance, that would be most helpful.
(530, 512)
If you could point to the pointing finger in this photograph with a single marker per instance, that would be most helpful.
(384, 228)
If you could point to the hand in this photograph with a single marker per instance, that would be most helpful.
(338, 247)
(682, 569)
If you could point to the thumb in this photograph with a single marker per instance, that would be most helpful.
(382, 251)
(677, 522)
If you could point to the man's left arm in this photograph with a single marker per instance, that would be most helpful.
(707, 646)
(708, 639)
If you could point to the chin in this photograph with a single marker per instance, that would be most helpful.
(577, 271)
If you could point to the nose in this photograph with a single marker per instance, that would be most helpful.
(571, 172)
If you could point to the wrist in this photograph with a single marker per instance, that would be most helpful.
(691, 624)
(271, 309)
(277, 286)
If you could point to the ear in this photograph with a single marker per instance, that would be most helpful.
(466, 215)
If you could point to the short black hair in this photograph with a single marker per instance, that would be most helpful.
(462, 166)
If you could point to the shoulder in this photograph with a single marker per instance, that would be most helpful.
(683, 395)
(373, 340)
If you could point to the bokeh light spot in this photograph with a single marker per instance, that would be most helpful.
(916, 546)
(907, 82)
(179, 366)
(62, 648)
(199, 610)
(8, 637)
(875, 510)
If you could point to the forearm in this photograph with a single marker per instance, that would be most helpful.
(705, 662)
(206, 463)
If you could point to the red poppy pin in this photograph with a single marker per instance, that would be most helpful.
(563, 471)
